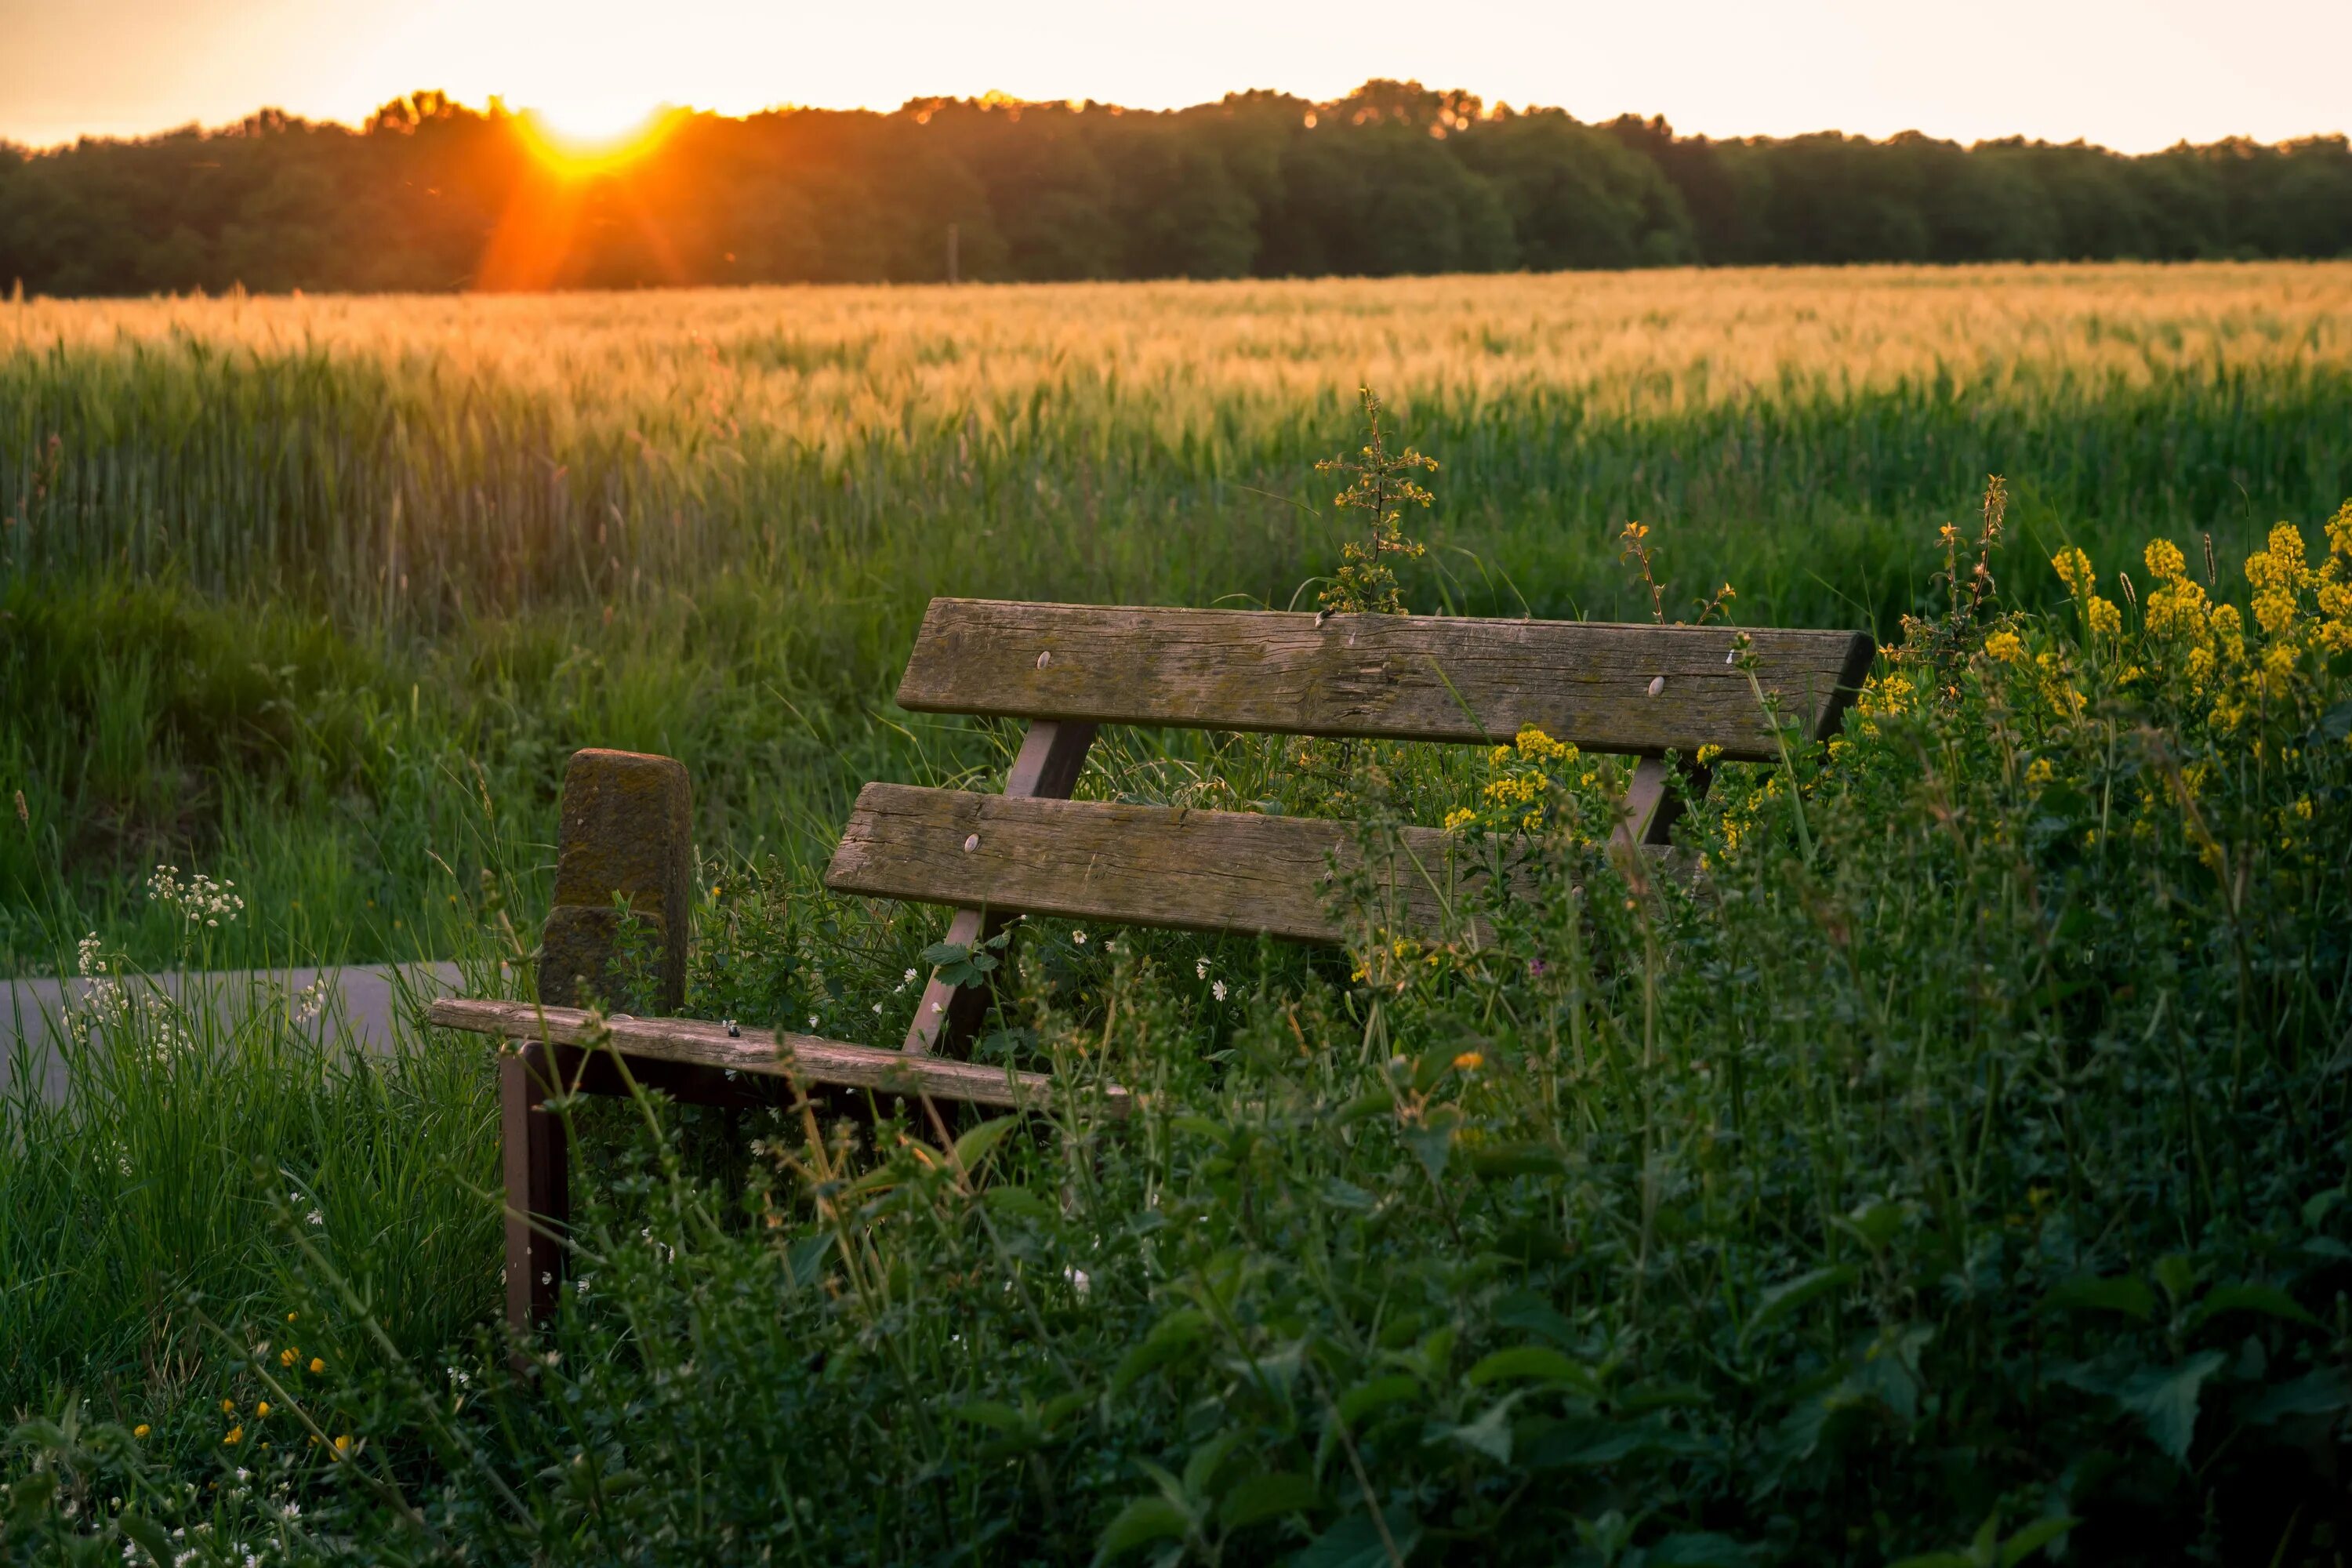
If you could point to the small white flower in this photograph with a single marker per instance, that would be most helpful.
(1079, 1281)
(812, 1020)
(1200, 969)
(877, 1009)
(1218, 989)
(315, 1217)
(910, 977)
(936, 1007)
(1080, 937)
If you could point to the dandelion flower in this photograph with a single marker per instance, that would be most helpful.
(262, 1408)
(235, 1435)
(318, 1364)
(140, 1430)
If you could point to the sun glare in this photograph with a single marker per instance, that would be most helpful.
(593, 138)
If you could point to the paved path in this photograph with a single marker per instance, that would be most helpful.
(360, 1012)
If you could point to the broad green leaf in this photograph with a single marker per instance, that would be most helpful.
(1491, 1434)
(1201, 1467)
(2320, 1392)
(1364, 1107)
(1356, 1542)
(1537, 1363)
(2125, 1293)
(1431, 1144)
(2165, 1398)
(1265, 1496)
(1527, 1310)
(1167, 1340)
(1377, 1395)
(150, 1537)
(2178, 1276)
(1786, 1298)
(1696, 1550)
(2033, 1538)
(2268, 1300)
(805, 1258)
(995, 1415)
(940, 953)
(974, 1146)
(1143, 1520)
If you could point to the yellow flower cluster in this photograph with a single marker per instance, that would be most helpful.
(2007, 647)
(2074, 568)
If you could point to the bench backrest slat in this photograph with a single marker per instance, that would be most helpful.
(1138, 864)
(1641, 690)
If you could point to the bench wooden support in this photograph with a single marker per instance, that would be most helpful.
(618, 931)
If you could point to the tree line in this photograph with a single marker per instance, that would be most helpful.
(430, 194)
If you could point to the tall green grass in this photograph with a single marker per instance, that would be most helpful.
(268, 607)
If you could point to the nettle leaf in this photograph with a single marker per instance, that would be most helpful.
(1696, 1550)
(2267, 1300)
(1142, 1522)
(1433, 1143)
(2165, 1398)
(2321, 1393)
(995, 1415)
(1167, 1340)
(1264, 1497)
(1491, 1434)
(2033, 1538)
(1378, 1393)
(974, 1146)
(1784, 1298)
(1539, 1363)
(805, 1258)
(2125, 1293)
(1356, 1542)
(1525, 1310)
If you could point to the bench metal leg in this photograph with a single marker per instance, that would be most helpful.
(538, 1182)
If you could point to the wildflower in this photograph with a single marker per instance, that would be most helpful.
(2039, 772)
(2074, 568)
(909, 977)
(315, 1217)
(1217, 990)
(235, 1435)
(1200, 969)
(812, 1020)
(285, 1357)
(344, 1444)
(262, 1408)
(1080, 937)
(2006, 647)
(1459, 819)
(1469, 1061)
(1079, 1280)
(140, 1430)
(318, 1364)
(2104, 616)
(229, 1407)
(1707, 755)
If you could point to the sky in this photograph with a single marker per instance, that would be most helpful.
(2134, 77)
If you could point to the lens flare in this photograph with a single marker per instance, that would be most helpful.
(589, 138)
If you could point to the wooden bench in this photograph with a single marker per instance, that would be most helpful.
(1639, 690)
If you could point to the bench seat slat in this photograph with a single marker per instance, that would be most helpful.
(1140, 865)
(1429, 677)
(807, 1057)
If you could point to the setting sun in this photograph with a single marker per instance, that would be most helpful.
(591, 137)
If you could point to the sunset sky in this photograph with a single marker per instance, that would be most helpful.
(2133, 75)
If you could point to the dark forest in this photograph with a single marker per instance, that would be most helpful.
(1393, 179)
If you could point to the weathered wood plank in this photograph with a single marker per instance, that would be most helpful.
(807, 1057)
(949, 1017)
(1607, 688)
(1140, 865)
